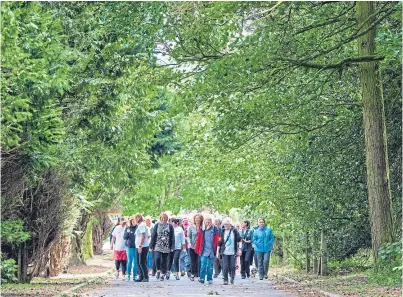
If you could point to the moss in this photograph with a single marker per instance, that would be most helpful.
(87, 242)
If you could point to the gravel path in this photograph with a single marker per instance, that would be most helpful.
(186, 288)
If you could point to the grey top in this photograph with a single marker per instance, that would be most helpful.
(192, 234)
(208, 250)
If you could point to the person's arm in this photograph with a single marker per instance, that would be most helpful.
(183, 241)
(271, 239)
(154, 237)
(113, 241)
(143, 237)
(172, 237)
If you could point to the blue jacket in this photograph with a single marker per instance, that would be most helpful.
(263, 239)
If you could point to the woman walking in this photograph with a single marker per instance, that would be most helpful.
(119, 248)
(142, 234)
(162, 243)
(263, 239)
(229, 248)
(130, 240)
(246, 257)
(206, 247)
(194, 257)
(179, 245)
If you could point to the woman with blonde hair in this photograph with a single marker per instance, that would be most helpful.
(162, 243)
(192, 234)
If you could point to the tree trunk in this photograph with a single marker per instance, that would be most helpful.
(307, 254)
(314, 252)
(323, 253)
(375, 133)
(285, 254)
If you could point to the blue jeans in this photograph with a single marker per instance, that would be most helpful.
(206, 268)
(131, 260)
(263, 260)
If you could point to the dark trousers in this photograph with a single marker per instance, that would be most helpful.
(246, 258)
(217, 266)
(176, 255)
(154, 264)
(228, 263)
(123, 263)
(142, 263)
(161, 261)
(170, 261)
(194, 262)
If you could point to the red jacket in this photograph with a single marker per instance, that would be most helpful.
(199, 244)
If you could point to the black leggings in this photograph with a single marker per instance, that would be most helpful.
(142, 263)
(194, 262)
(117, 265)
(161, 261)
(246, 261)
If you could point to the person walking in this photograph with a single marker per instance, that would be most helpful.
(130, 241)
(142, 245)
(150, 262)
(246, 257)
(263, 239)
(119, 248)
(179, 245)
(162, 243)
(194, 257)
(229, 248)
(206, 247)
(218, 259)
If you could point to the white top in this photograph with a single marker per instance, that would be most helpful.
(179, 237)
(119, 244)
(229, 245)
(142, 228)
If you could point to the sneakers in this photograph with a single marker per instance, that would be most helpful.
(266, 277)
(192, 277)
(225, 282)
(177, 277)
(162, 278)
(243, 277)
(183, 273)
(139, 280)
(201, 281)
(157, 275)
(215, 275)
(232, 280)
(128, 277)
(210, 282)
(145, 280)
(168, 275)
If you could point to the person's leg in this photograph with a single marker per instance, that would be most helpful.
(203, 267)
(255, 259)
(193, 261)
(164, 263)
(124, 262)
(157, 260)
(154, 264)
(232, 260)
(210, 265)
(216, 263)
(243, 268)
(266, 261)
(260, 264)
(143, 262)
(177, 254)
(117, 265)
(246, 263)
(225, 267)
(170, 261)
(129, 252)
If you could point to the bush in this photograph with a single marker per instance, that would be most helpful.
(388, 269)
(8, 270)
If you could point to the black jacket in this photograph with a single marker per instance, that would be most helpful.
(155, 235)
(222, 242)
(130, 236)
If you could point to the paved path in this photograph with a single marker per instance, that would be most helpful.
(186, 288)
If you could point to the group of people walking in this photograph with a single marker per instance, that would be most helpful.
(197, 247)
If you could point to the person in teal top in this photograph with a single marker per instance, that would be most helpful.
(263, 240)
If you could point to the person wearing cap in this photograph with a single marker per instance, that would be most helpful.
(130, 240)
(119, 248)
(263, 239)
(229, 248)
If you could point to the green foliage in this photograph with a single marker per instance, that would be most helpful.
(12, 232)
(8, 270)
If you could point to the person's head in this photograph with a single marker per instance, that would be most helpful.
(237, 225)
(139, 218)
(175, 222)
(198, 219)
(154, 221)
(185, 221)
(132, 221)
(246, 224)
(261, 223)
(118, 221)
(217, 223)
(163, 218)
(226, 223)
(207, 221)
(180, 221)
(123, 221)
(148, 221)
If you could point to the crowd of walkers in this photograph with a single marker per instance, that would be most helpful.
(193, 245)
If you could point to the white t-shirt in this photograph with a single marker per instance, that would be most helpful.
(179, 237)
(229, 245)
(119, 244)
(142, 228)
